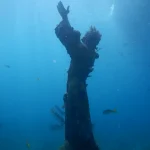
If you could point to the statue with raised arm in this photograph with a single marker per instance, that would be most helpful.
(83, 52)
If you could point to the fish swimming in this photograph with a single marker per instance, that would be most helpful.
(109, 111)
(28, 145)
(38, 79)
(7, 66)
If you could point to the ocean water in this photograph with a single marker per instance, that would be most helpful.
(33, 72)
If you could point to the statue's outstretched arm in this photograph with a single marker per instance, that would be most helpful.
(66, 34)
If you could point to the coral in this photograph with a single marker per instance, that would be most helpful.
(58, 116)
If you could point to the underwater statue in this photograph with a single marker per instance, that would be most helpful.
(83, 52)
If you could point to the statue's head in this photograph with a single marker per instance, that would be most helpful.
(92, 38)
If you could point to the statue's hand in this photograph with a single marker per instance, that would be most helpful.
(62, 11)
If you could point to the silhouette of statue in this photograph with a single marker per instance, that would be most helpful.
(83, 52)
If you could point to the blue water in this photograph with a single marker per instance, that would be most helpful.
(33, 66)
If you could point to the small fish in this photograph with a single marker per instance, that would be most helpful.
(38, 79)
(28, 145)
(7, 66)
(109, 111)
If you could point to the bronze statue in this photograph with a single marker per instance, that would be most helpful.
(83, 52)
